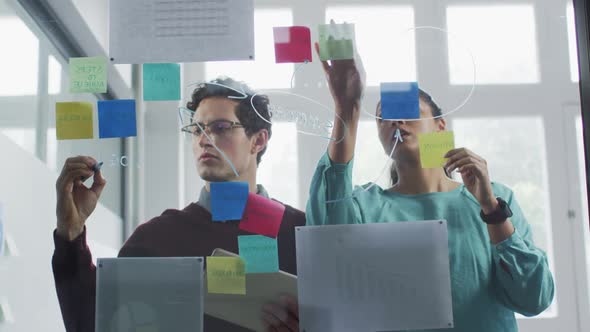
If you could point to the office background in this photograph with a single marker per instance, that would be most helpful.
(523, 117)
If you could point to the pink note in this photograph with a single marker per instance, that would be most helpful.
(262, 216)
(292, 44)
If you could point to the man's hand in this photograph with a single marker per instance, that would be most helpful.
(282, 316)
(75, 202)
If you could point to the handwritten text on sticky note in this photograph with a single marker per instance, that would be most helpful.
(116, 118)
(433, 147)
(262, 216)
(336, 41)
(292, 44)
(88, 75)
(161, 81)
(260, 253)
(400, 100)
(226, 275)
(228, 200)
(73, 120)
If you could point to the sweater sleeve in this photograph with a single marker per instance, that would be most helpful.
(331, 198)
(75, 282)
(522, 273)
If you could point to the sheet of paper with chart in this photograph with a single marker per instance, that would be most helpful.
(180, 30)
(374, 277)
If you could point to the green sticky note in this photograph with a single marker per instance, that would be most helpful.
(161, 81)
(336, 41)
(433, 147)
(73, 120)
(260, 253)
(88, 75)
(226, 275)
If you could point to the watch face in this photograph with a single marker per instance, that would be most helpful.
(500, 215)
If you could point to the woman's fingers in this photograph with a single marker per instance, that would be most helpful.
(325, 64)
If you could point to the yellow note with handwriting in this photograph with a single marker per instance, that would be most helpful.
(226, 275)
(73, 120)
(433, 147)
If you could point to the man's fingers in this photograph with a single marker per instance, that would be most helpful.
(282, 317)
(72, 178)
(291, 304)
(270, 319)
(98, 184)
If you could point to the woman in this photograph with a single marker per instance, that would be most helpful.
(496, 270)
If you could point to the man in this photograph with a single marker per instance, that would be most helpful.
(229, 139)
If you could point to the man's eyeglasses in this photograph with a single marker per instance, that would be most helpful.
(217, 128)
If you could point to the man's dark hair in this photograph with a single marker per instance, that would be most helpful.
(247, 115)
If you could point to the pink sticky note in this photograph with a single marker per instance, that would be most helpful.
(292, 44)
(262, 216)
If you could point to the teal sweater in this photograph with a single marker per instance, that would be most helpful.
(485, 294)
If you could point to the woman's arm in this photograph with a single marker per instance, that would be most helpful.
(330, 194)
(522, 277)
(346, 82)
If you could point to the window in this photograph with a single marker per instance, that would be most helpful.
(504, 53)
(583, 192)
(525, 173)
(54, 84)
(278, 170)
(19, 61)
(386, 59)
(263, 72)
(571, 38)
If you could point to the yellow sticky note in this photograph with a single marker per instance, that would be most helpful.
(226, 275)
(73, 120)
(433, 147)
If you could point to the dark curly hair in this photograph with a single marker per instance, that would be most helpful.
(222, 87)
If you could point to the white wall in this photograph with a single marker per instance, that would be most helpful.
(27, 193)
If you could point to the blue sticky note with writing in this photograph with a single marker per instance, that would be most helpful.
(260, 253)
(116, 118)
(228, 200)
(161, 81)
(399, 100)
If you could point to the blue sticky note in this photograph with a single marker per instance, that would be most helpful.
(259, 252)
(228, 200)
(399, 100)
(116, 118)
(161, 81)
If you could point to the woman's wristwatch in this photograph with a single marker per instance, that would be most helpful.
(499, 215)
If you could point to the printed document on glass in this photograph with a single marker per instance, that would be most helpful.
(143, 31)
(374, 277)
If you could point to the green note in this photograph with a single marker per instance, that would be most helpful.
(336, 41)
(73, 120)
(226, 275)
(161, 81)
(260, 253)
(88, 75)
(433, 147)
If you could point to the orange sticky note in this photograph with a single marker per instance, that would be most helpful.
(73, 120)
(262, 216)
(226, 275)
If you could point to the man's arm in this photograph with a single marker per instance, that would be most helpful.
(75, 282)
